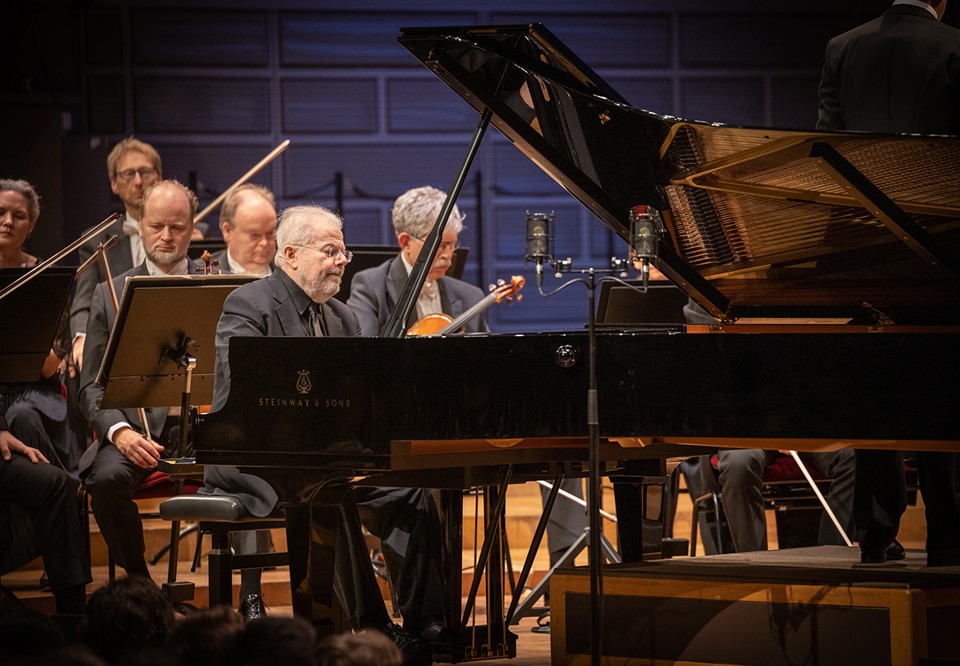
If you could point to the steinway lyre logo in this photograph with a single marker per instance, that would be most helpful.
(303, 382)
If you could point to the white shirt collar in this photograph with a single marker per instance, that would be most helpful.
(428, 300)
(918, 3)
(237, 269)
(182, 268)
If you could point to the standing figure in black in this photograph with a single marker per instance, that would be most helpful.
(899, 73)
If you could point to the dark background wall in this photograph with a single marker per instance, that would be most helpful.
(216, 84)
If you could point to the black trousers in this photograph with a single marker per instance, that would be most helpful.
(881, 498)
(111, 481)
(407, 522)
(49, 496)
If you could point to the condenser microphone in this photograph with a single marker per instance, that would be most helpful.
(644, 223)
(539, 241)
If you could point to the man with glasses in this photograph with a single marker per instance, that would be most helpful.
(374, 292)
(133, 166)
(248, 222)
(297, 300)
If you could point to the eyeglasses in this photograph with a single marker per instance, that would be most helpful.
(446, 246)
(146, 173)
(331, 251)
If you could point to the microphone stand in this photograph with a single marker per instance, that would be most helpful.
(595, 552)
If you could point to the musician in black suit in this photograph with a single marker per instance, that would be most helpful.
(374, 294)
(899, 73)
(248, 222)
(48, 494)
(295, 301)
(122, 457)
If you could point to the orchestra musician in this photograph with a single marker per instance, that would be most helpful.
(899, 73)
(132, 166)
(35, 490)
(374, 293)
(248, 222)
(296, 301)
(121, 457)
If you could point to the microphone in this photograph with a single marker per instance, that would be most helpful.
(539, 241)
(644, 239)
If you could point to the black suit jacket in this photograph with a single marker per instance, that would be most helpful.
(264, 307)
(99, 325)
(899, 73)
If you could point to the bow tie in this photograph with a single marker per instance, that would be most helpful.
(430, 289)
(129, 227)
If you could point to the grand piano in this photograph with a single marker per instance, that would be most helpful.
(828, 263)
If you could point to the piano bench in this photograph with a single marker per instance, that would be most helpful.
(219, 516)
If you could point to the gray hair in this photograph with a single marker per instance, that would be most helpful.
(415, 212)
(297, 223)
(26, 189)
(229, 208)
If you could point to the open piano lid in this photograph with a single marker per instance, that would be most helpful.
(758, 223)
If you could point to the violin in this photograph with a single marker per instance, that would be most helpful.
(443, 324)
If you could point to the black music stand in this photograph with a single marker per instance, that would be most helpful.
(161, 353)
(29, 317)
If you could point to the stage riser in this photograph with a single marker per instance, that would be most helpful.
(658, 621)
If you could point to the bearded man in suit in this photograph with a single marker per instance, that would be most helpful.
(122, 456)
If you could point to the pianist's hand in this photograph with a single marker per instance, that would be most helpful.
(138, 450)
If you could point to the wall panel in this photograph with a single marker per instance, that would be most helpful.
(329, 105)
(202, 105)
(196, 37)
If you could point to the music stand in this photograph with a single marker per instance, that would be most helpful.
(159, 316)
(29, 317)
(161, 353)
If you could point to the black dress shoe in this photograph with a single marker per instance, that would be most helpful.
(427, 628)
(416, 651)
(873, 556)
(895, 551)
(252, 608)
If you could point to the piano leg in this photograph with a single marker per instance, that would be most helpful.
(639, 491)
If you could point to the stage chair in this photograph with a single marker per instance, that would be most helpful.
(784, 490)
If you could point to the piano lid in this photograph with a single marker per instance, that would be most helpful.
(758, 223)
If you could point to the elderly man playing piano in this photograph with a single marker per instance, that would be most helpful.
(295, 301)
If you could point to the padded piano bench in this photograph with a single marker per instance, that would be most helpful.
(219, 515)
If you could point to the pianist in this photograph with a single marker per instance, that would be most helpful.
(296, 300)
